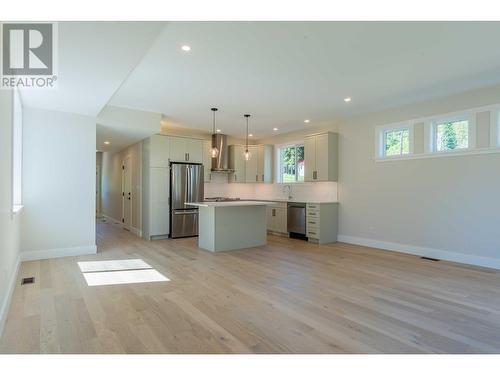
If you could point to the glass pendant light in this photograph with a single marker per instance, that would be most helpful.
(247, 155)
(214, 151)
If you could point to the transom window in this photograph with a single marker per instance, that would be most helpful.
(452, 135)
(291, 163)
(396, 142)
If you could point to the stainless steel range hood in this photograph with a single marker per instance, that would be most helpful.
(220, 163)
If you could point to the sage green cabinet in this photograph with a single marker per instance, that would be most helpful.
(321, 157)
(207, 161)
(237, 163)
(258, 169)
(186, 149)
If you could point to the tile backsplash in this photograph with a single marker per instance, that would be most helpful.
(317, 191)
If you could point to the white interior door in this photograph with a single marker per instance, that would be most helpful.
(127, 193)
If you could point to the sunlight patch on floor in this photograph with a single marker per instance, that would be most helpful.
(113, 265)
(119, 271)
(123, 277)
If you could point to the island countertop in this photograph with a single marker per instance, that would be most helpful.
(229, 204)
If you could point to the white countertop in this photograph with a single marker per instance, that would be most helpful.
(230, 204)
(281, 200)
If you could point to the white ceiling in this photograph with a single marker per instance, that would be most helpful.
(285, 72)
(94, 58)
(123, 127)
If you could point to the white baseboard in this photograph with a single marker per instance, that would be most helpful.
(4, 308)
(58, 253)
(423, 251)
(136, 231)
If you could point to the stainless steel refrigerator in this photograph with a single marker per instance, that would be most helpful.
(186, 185)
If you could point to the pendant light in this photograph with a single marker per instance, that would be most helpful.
(247, 155)
(214, 151)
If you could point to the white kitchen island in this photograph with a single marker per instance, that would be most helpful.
(231, 225)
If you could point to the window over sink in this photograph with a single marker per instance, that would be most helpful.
(291, 163)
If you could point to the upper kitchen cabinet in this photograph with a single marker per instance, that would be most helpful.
(258, 169)
(251, 166)
(186, 149)
(159, 151)
(207, 161)
(321, 157)
(265, 163)
(237, 163)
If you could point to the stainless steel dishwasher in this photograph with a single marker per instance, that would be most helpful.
(296, 223)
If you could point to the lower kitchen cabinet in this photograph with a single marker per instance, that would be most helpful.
(322, 222)
(277, 218)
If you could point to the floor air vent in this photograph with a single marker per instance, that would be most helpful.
(28, 280)
(427, 258)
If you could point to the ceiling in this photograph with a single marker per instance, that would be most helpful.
(285, 72)
(280, 72)
(94, 58)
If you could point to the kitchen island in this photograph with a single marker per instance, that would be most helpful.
(231, 225)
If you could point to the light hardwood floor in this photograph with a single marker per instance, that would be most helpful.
(286, 297)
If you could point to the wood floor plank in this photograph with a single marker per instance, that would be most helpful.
(289, 296)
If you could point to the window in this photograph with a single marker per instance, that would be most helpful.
(452, 135)
(17, 152)
(397, 142)
(291, 163)
(394, 141)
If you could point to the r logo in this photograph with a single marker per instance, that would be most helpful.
(27, 49)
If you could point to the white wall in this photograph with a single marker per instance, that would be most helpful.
(446, 207)
(59, 162)
(112, 184)
(9, 223)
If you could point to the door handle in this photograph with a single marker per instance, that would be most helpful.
(185, 212)
(262, 178)
(274, 211)
(257, 177)
(315, 175)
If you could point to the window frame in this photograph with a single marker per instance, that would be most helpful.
(431, 132)
(279, 177)
(17, 151)
(380, 140)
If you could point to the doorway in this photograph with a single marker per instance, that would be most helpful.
(127, 193)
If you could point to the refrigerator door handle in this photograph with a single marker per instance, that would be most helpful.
(189, 187)
(185, 212)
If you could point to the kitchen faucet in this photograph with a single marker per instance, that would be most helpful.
(289, 190)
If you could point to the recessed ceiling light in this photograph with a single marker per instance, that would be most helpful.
(218, 130)
(250, 135)
(307, 121)
(186, 48)
(348, 99)
(275, 129)
(106, 142)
